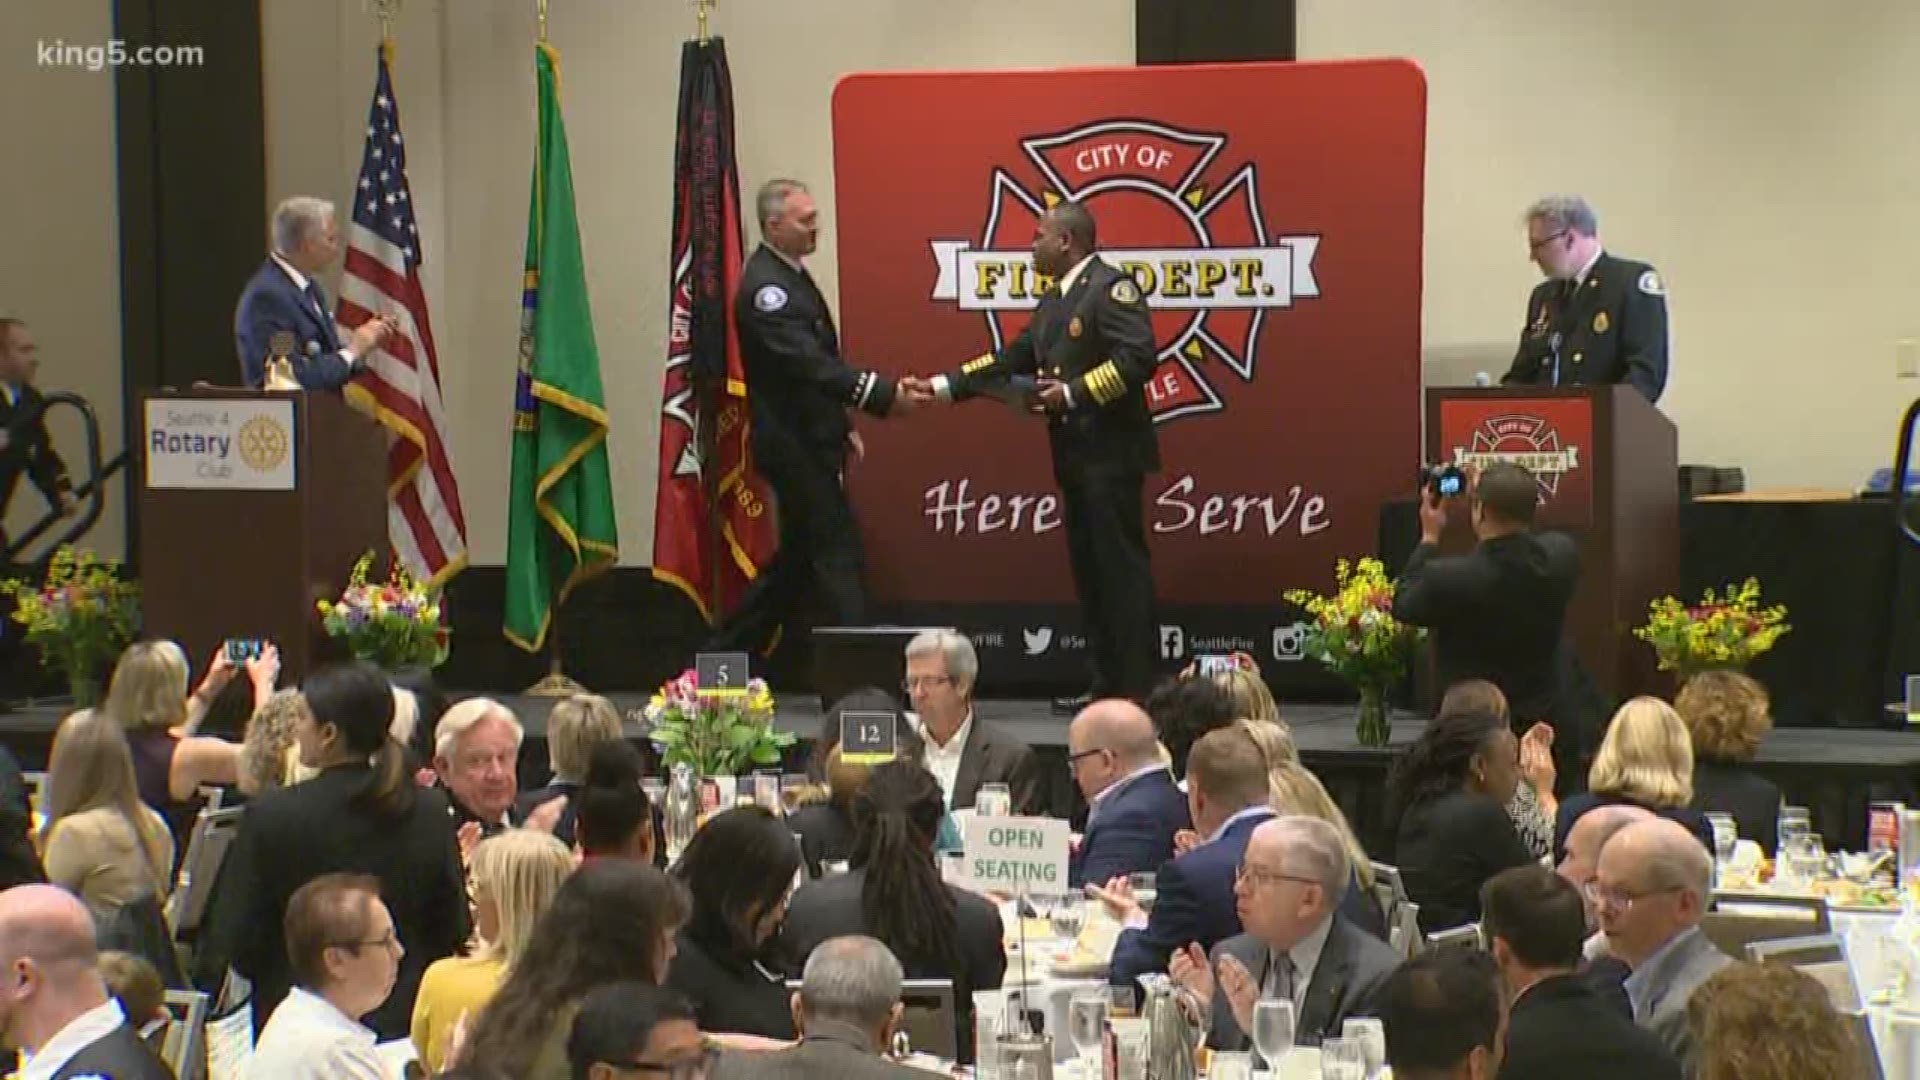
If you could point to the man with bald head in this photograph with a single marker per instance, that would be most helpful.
(1603, 973)
(1650, 892)
(54, 1007)
(1133, 805)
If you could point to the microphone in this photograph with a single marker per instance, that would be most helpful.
(1552, 359)
(1481, 378)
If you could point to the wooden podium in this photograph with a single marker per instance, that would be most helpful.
(1608, 466)
(253, 506)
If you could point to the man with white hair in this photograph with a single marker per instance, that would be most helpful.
(846, 1012)
(1297, 946)
(476, 753)
(1650, 893)
(54, 1006)
(1598, 319)
(284, 297)
(964, 751)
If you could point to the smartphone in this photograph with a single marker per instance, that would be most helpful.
(241, 650)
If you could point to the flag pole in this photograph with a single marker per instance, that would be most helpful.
(384, 10)
(701, 7)
(556, 684)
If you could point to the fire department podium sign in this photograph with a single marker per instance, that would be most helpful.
(1271, 214)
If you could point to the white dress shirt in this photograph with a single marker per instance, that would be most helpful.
(1580, 278)
(1305, 957)
(307, 1038)
(81, 1032)
(944, 761)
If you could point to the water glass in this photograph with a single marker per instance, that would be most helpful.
(1273, 1027)
(1343, 1059)
(1069, 914)
(989, 1018)
(1726, 834)
(1230, 1065)
(993, 800)
(1087, 1021)
(1372, 1036)
(1131, 1039)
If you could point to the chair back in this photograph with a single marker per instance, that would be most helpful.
(1403, 931)
(930, 1017)
(185, 1045)
(1738, 920)
(213, 833)
(1464, 938)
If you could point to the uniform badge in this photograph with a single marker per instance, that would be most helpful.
(770, 298)
(1125, 291)
(1600, 323)
(1540, 321)
(1074, 327)
(1651, 284)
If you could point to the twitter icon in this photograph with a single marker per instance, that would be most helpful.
(1037, 640)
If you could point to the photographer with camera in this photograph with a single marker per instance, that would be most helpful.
(1498, 612)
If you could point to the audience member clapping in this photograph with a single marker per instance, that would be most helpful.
(100, 842)
(613, 921)
(1534, 803)
(476, 754)
(739, 869)
(1448, 801)
(514, 876)
(345, 954)
(362, 814)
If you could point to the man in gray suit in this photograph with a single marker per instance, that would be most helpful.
(846, 1012)
(1296, 946)
(1650, 893)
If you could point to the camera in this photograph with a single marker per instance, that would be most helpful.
(1445, 481)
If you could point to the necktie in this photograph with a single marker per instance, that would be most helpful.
(318, 301)
(1280, 976)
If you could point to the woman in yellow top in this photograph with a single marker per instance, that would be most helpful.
(100, 842)
(515, 876)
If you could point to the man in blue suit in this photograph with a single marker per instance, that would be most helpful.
(1133, 805)
(1194, 900)
(283, 295)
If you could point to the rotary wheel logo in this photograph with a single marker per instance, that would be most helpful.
(262, 443)
(1191, 234)
(1527, 441)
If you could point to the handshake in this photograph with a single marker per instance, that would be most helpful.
(913, 391)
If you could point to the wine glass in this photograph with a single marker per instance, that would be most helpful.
(1273, 1029)
(1372, 1036)
(1343, 1059)
(1069, 914)
(1087, 1022)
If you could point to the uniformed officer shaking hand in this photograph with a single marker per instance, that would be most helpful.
(1090, 344)
(802, 389)
(1597, 319)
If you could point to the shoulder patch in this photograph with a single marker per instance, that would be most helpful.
(1651, 284)
(1125, 291)
(770, 298)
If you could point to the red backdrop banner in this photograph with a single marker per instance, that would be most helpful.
(1551, 437)
(1272, 215)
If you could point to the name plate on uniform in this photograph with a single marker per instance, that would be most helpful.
(1017, 855)
(219, 443)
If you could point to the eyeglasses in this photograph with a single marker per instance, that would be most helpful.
(1262, 877)
(1600, 896)
(1536, 245)
(928, 682)
(387, 941)
(1073, 758)
(694, 1068)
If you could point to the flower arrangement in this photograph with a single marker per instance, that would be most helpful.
(79, 618)
(1721, 631)
(1353, 632)
(395, 623)
(719, 734)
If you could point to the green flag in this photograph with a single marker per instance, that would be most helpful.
(560, 523)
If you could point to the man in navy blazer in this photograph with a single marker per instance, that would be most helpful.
(1133, 805)
(1193, 893)
(283, 295)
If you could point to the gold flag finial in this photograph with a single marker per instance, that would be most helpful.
(384, 10)
(541, 7)
(701, 7)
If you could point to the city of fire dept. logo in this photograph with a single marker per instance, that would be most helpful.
(1193, 239)
(1527, 441)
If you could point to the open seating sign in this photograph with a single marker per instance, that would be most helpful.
(1017, 855)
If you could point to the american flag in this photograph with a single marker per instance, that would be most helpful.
(400, 384)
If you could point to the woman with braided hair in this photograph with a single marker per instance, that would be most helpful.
(1447, 799)
(892, 891)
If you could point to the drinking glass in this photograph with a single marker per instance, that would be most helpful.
(1069, 914)
(1273, 1029)
(1726, 834)
(1343, 1059)
(1372, 1036)
(1087, 1022)
(989, 1018)
(994, 800)
(1230, 1065)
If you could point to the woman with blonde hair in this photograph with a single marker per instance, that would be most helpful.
(100, 842)
(575, 726)
(1242, 681)
(1727, 715)
(515, 876)
(1645, 760)
(269, 757)
(148, 696)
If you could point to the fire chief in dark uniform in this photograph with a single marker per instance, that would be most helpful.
(801, 392)
(1090, 344)
(1597, 319)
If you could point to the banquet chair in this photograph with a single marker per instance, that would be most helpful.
(1738, 920)
(1463, 938)
(213, 833)
(184, 1047)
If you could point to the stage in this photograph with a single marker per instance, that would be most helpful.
(1835, 772)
